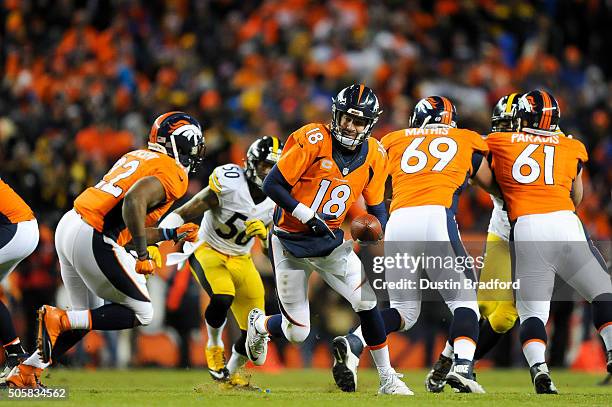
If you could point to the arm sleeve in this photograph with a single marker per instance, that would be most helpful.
(477, 158)
(279, 190)
(380, 211)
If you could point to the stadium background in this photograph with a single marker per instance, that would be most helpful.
(83, 80)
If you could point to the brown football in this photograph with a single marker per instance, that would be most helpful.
(366, 228)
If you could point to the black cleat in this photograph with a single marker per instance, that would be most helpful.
(462, 378)
(540, 377)
(436, 378)
(346, 351)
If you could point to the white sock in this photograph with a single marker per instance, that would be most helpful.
(260, 325)
(448, 350)
(534, 351)
(464, 348)
(359, 334)
(215, 335)
(381, 359)
(236, 361)
(606, 335)
(35, 360)
(79, 319)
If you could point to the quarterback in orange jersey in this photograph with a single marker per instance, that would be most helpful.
(18, 239)
(538, 170)
(91, 242)
(430, 163)
(322, 171)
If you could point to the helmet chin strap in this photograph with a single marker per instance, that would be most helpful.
(176, 155)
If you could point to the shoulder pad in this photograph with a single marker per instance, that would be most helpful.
(226, 178)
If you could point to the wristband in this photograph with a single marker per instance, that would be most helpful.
(303, 213)
(168, 234)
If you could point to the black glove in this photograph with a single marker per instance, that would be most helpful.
(319, 227)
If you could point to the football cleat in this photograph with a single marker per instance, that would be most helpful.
(461, 377)
(436, 378)
(12, 360)
(346, 350)
(540, 377)
(238, 380)
(215, 360)
(256, 343)
(51, 323)
(391, 384)
(25, 377)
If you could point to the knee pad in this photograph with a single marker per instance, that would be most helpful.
(295, 333)
(409, 311)
(503, 319)
(144, 313)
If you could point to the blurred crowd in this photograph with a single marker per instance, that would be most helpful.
(82, 82)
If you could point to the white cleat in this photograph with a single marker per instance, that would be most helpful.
(390, 383)
(256, 343)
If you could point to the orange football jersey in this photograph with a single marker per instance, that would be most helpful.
(101, 205)
(535, 173)
(13, 209)
(322, 183)
(430, 166)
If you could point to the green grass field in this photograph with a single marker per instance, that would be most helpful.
(307, 387)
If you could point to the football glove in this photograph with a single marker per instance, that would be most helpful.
(145, 266)
(255, 227)
(319, 227)
(155, 255)
(187, 232)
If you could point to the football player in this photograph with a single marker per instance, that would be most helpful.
(321, 173)
(18, 239)
(105, 283)
(539, 172)
(235, 210)
(497, 310)
(430, 163)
